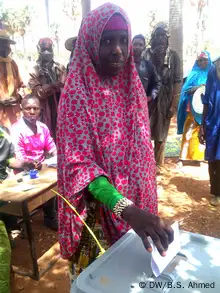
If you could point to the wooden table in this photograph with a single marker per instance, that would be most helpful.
(22, 204)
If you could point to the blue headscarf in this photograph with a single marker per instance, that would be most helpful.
(197, 76)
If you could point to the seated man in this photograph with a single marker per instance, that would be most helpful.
(7, 222)
(7, 155)
(33, 142)
(7, 159)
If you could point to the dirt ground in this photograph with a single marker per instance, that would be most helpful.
(183, 196)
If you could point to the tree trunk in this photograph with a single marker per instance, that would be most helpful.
(47, 14)
(13, 38)
(176, 28)
(201, 25)
(86, 7)
(57, 43)
(24, 47)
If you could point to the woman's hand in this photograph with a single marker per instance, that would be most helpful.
(146, 224)
(202, 135)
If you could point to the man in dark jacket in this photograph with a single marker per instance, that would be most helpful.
(167, 64)
(147, 72)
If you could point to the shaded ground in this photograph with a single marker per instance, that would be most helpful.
(56, 280)
(183, 196)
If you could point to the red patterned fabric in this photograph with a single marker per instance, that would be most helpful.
(116, 22)
(103, 129)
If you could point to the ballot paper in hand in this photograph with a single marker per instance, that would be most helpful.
(158, 262)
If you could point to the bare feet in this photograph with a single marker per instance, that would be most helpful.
(161, 170)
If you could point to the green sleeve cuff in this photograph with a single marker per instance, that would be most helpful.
(104, 192)
(9, 161)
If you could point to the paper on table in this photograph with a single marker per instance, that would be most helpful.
(52, 162)
(23, 187)
(158, 262)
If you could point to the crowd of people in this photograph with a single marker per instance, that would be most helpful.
(99, 116)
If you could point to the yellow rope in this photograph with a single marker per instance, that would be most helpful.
(102, 250)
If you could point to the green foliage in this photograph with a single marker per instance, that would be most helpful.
(71, 8)
(19, 54)
(54, 31)
(151, 21)
(173, 146)
(24, 20)
(16, 21)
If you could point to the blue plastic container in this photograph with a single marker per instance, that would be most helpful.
(33, 174)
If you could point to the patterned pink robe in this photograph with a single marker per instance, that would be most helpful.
(103, 129)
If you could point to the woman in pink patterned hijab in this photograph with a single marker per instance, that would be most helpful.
(106, 163)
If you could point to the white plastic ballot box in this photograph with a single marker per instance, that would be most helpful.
(126, 268)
